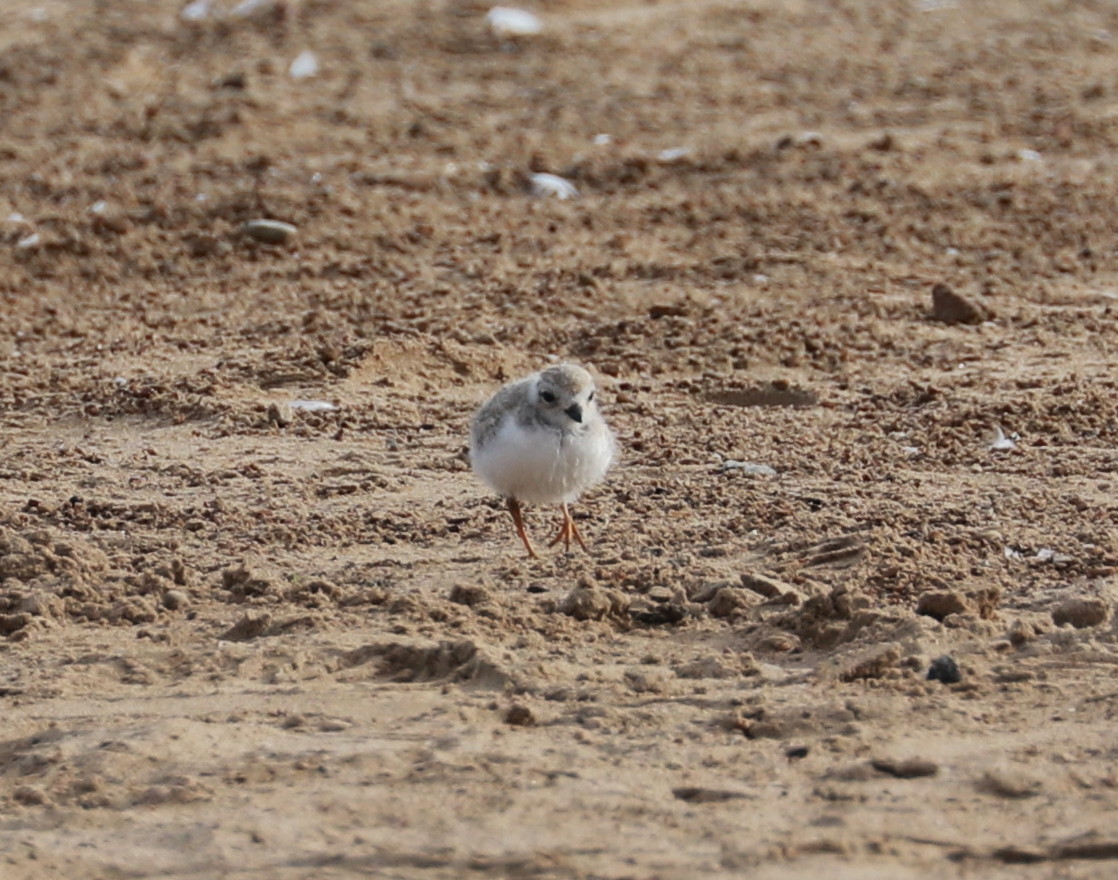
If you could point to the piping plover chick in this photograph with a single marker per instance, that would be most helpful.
(541, 440)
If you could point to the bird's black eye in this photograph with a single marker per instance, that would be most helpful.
(591, 397)
(547, 397)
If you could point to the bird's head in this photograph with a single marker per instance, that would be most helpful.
(565, 396)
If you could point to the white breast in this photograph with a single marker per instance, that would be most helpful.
(542, 466)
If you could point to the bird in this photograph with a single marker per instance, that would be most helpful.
(542, 440)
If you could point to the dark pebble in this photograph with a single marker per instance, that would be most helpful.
(945, 669)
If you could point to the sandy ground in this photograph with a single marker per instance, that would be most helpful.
(244, 639)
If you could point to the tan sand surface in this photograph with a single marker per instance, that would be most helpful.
(242, 639)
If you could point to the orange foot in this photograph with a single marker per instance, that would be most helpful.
(567, 531)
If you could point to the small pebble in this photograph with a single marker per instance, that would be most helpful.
(951, 308)
(1081, 612)
(1009, 782)
(940, 603)
(910, 768)
(519, 715)
(693, 794)
(175, 600)
(269, 231)
(945, 669)
(279, 414)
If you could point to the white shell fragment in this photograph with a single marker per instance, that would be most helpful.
(749, 467)
(675, 154)
(269, 231)
(253, 8)
(998, 441)
(506, 22)
(199, 10)
(305, 65)
(312, 405)
(544, 185)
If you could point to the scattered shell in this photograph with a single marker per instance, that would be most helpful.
(305, 65)
(199, 10)
(253, 8)
(997, 440)
(675, 154)
(544, 185)
(506, 22)
(29, 241)
(1029, 155)
(603, 140)
(269, 231)
(748, 467)
(312, 405)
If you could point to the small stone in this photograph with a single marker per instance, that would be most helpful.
(269, 231)
(909, 768)
(249, 627)
(1081, 612)
(951, 308)
(588, 602)
(1009, 782)
(279, 414)
(728, 602)
(939, 604)
(945, 669)
(769, 587)
(519, 715)
(469, 595)
(1020, 632)
(694, 794)
(175, 600)
(873, 663)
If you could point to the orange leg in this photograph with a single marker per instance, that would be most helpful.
(567, 531)
(518, 521)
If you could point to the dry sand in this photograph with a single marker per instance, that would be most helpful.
(241, 639)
